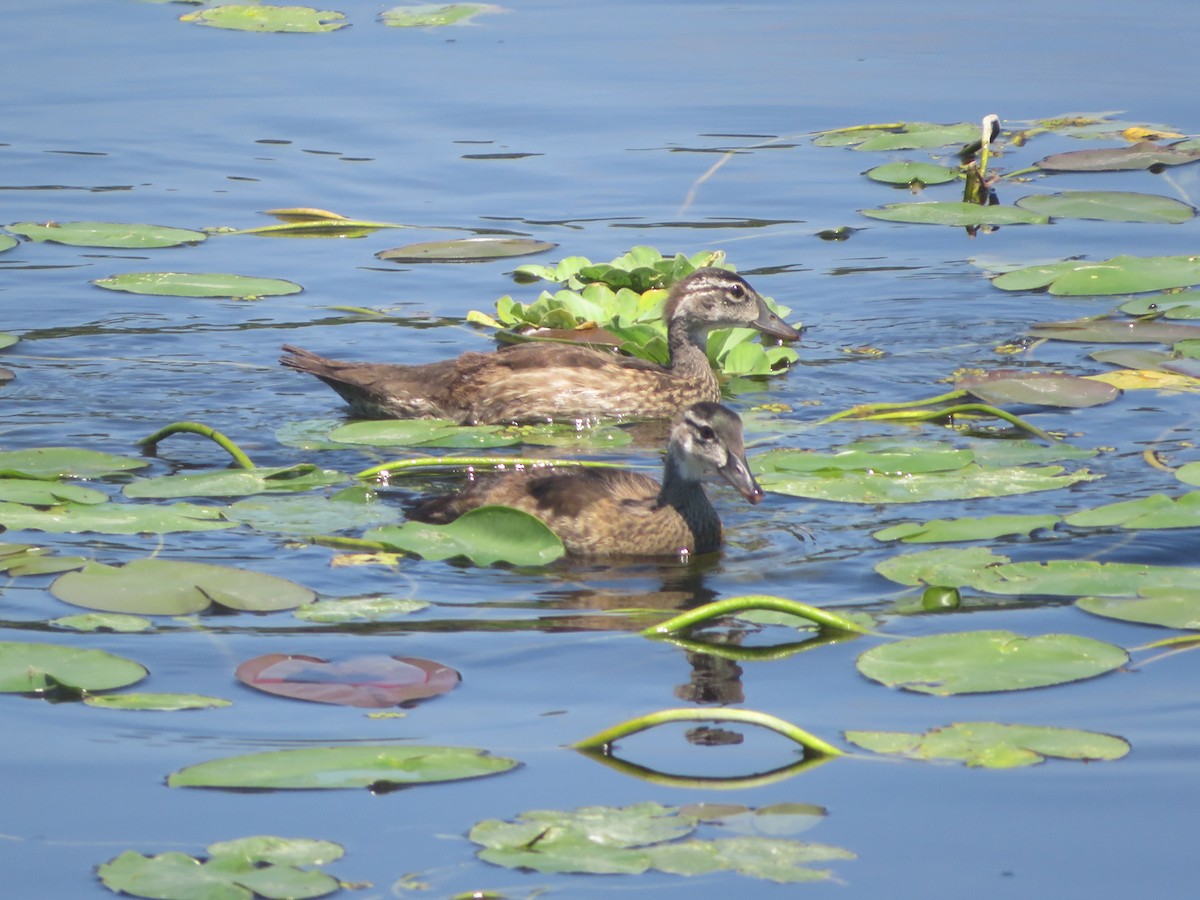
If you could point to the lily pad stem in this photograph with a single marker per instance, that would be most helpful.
(691, 618)
(865, 409)
(744, 716)
(212, 434)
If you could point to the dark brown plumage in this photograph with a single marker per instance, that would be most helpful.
(541, 382)
(610, 512)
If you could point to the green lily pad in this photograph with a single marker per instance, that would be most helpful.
(7, 340)
(950, 212)
(7, 242)
(183, 284)
(888, 459)
(1142, 155)
(1155, 511)
(359, 609)
(1189, 473)
(479, 249)
(993, 745)
(1001, 386)
(329, 768)
(234, 482)
(984, 661)
(1177, 305)
(113, 518)
(64, 462)
(1119, 275)
(264, 17)
(909, 136)
(156, 702)
(1168, 607)
(171, 588)
(118, 622)
(31, 668)
(47, 493)
(37, 561)
(307, 516)
(432, 14)
(912, 173)
(1116, 331)
(261, 866)
(1109, 206)
(422, 432)
(108, 234)
(948, 530)
(486, 535)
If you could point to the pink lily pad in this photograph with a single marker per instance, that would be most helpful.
(372, 682)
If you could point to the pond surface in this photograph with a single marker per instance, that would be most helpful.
(598, 127)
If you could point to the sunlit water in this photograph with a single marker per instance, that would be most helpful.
(117, 112)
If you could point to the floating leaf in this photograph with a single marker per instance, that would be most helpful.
(912, 173)
(1002, 386)
(118, 622)
(422, 432)
(64, 462)
(378, 767)
(373, 682)
(234, 482)
(906, 136)
(993, 745)
(1142, 155)
(29, 668)
(948, 530)
(359, 609)
(182, 284)
(486, 535)
(47, 493)
(108, 234)
(1168, 607)
(1178, 305)
(479, 249)
(307, 516)
(113, 518)
(1115, 331)
(1108, 206)
(1119, 275)
(267, 18)
(431, 14)
(156, 702)
(949, 212)
(982, 661)
(7, 243)
(1189, 473)
(1155, 511)
(170, 588)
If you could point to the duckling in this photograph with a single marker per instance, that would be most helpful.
(541, 382)
(612, 512)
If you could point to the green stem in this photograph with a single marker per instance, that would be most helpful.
(963, 409)
(820, 617)
(744, 716)
(867, 408)
(197, 428)
(458, 462)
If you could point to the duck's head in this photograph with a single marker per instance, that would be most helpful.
(707, 440)
(711, 298)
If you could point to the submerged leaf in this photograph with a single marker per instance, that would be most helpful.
(948, 530)
(1002, 386)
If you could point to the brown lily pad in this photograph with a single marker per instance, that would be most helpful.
(372, 682)
(1038, 389)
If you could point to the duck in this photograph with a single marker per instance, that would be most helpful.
(615, 512)
(551, 382)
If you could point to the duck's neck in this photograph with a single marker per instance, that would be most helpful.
(685, 494)
(687, 353)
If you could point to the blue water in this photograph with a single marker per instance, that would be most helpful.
(118, 112)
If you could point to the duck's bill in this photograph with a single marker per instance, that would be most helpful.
(736, 473)
(769, 323)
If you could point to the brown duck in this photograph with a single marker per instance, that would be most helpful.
(541, 382)
(611, 512)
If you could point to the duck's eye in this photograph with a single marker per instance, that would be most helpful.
(707, 434)
(736, 291)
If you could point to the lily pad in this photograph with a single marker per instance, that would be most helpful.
(1116, 331)
(433, 14)
(1168, 607)
(373, 682)
(113, 518)
(64, 462)
(1142, 155)
(156, 702)
(479, 249)
(1109, 206)
(359, 609)
(912, 173)
(307, 516)
(984, 661)
(118, 622)
(107, 234)
(267, 18)
(1155, 511)
(993, 745)
(47, 493)
(908, 136)
(7, 242)
(261, 866)
(171, 588)
(234, 482)
(1119, 275)
(422, 432)
(378, 767)
(184, 284)
(1002, 386)
(947, 530)
(1177, 305)
(33, 668)
(950, 212)
(486, 535)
